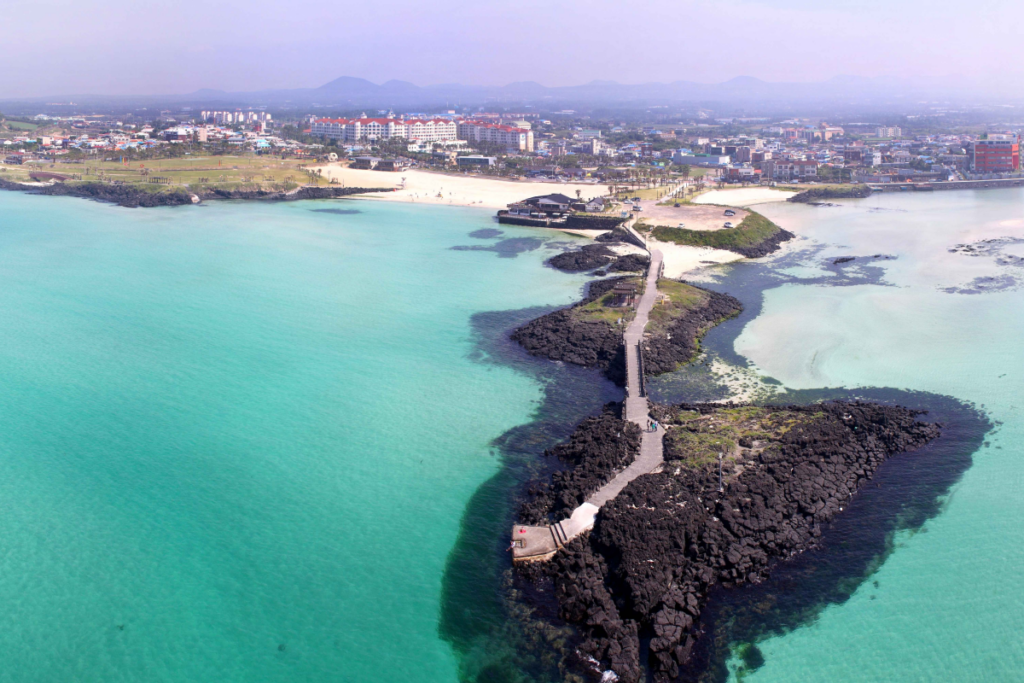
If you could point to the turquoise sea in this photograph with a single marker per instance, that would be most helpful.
(249, 442)
(947, 603)
(237, 440)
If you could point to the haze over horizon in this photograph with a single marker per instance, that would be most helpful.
(146, 48)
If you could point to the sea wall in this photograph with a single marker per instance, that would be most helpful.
(507, 219)
(588, 221)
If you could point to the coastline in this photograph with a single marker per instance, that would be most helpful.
(530, 594)
(423, 187)
(131, 197)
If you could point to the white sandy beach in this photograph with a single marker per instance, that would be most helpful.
(425, 187)
(744, 196)
(456, 190)
(681, 260)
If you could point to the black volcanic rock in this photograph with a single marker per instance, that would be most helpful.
(561, 336)
(564, 336)
(588, 257)
(630, 263)
(599, 447)
(665, 351)
(645, 570)
(767, 246)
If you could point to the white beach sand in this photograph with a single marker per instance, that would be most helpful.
(681, 260)
(455, 190)
(743, 196)
(424, 187)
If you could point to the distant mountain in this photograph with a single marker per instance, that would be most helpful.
(349, 92)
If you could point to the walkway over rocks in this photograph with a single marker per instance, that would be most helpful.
(542, 542)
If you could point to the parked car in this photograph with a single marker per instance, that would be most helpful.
(728, 224)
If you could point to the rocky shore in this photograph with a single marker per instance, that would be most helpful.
(586, 335)
(593, 256)
(133, 197)
(565, 335)
(766, 246)
(820, 194)
(638, 582)
(754, 237)
(676, 326)
(600, 447)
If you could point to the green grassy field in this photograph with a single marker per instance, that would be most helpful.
(600, 310)
(696, 440)
(226, 173)
(753, 230)
(681, 298)
(21, 125)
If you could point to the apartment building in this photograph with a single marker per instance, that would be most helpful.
(514, 139)
(230, 117)
(353, 130)
(789, 169)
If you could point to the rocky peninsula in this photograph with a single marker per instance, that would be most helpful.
(742, 487)
(754, 237)
(593, 256)
(817, 195)
(590, 332)
(134, 197)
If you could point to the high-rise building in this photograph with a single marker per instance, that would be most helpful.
(997, 154)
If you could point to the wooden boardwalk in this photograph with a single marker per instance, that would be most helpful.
(542, 542)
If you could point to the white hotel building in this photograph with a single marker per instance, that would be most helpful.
(514, 139)
(353, 130)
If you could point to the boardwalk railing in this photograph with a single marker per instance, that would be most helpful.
(640, 369)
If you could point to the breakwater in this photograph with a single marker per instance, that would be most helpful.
(948, 185)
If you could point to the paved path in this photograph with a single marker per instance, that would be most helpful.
(542, 542)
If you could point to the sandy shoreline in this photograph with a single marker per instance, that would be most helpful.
(744, 196)
(425, 187)
(680, 260)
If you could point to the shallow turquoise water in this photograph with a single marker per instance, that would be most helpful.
(236, 441)
(949, 601)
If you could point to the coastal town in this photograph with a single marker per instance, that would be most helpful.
(470, 343)
(555, 147)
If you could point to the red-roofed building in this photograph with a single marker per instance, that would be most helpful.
(514, 139)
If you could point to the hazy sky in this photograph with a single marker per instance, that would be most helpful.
(158, 47)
